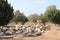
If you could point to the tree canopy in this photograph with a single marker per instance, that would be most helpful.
(53, 14)
(6, 12)
(43, 18)
(19, 17)
(33, 17)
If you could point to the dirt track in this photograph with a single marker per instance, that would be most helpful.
(53, 34)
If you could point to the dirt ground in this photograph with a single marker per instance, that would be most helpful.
(53, 34)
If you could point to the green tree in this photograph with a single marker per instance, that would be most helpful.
(43, 18)
(6, 12)
(50, 12)
(33, 17)
(53, 14)
(19, 17)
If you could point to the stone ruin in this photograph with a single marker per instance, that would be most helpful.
(28, 29)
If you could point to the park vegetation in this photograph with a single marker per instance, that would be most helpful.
(7, 15)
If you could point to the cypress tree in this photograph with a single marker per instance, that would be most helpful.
(6, 12)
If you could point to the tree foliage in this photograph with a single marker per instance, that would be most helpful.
(53, 14)
(6, 12)
(19, 17)
(33, 17)
(43, 18)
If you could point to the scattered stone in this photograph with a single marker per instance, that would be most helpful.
(25, 30)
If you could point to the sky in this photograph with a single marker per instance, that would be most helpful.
(33, 6)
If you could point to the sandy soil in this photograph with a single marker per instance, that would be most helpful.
(53, 34)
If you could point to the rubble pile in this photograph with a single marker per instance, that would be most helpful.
(32, 30)
(25, 30)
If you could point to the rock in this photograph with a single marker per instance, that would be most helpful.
(27, 30)
(1, 33)
(37, 31)
(8, 32)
